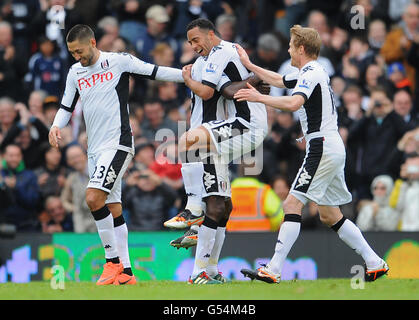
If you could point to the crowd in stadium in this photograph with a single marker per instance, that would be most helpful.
(370, 51)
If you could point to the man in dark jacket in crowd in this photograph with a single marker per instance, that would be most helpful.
(21, 188)
(377, 134)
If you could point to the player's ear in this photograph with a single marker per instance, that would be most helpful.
(93, 42)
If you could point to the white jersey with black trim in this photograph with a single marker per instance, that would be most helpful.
(318, 114)
(203, 111)
(224, 60)
(103, 89)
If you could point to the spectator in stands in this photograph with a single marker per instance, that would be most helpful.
(12, 66)
(377, 33)
(399, 41)
(281, 186)
(268, 52)
(157, 19)
(55, 25)
(155, 119)
(51, 175)
(163, 55)
(73, 194)
(58, 219)
(108, 32)
(360, 54)
(406, 192)
(7, 116)
(148, 200)
(22, 187)
(131, 22)
(21, 134)
(144, 156)
(397, 75)
(36, 105)
(377, 215)
(403, 106)
(46, 69)
(226, 26)
(377, 133)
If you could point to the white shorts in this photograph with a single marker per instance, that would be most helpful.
(216, 178)
(106, 170)
(321, 177)
(234, 137)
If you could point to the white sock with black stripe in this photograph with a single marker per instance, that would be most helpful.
(104, 223)
(288, 234)
(352, 236)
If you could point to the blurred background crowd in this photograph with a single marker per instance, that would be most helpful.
(370, 50)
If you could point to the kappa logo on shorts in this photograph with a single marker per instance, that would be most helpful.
(224, 131)
(303, 179)
(209, 180)
(111, 176)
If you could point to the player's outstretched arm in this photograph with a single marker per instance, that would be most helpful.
(285, 103)
(273, 78)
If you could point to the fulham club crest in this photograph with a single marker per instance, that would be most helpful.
(105, 64)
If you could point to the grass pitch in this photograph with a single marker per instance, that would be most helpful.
(323, 289)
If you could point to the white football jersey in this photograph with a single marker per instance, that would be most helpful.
(103, 89)
(318, 114)
(224, 60)
(203, 111)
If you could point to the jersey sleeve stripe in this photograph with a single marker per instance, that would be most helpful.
(73, 103)
(301, 94)
(290, 84)
(209, 84)
(224, 86)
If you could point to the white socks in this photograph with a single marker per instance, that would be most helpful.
(206, 239)
(104, 223)
(192, 174)
(121, 234)
(212, 268)
(352, 236)
(288, 234)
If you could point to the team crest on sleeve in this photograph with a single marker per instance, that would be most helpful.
(305, 84)
(211, 67)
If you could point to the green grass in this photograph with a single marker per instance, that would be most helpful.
(330, 289)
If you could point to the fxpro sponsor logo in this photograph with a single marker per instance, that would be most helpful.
(94, 80)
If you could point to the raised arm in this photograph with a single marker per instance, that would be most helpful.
(273, 78)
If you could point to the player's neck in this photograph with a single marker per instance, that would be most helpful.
(304, 61)
(95, 56)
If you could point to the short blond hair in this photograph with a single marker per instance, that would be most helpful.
(309, 38)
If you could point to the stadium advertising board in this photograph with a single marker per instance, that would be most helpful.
(315, 255)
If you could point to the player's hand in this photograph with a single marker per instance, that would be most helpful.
(244, 57)
(250, 94)
(187, 72)
(54, 136)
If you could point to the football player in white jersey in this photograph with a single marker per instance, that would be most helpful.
(100, 80)
(321, 176)
(242, 132)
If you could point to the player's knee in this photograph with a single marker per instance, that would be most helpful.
(94, 199)
(290, 205)
(228, 209)
(216, 209)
